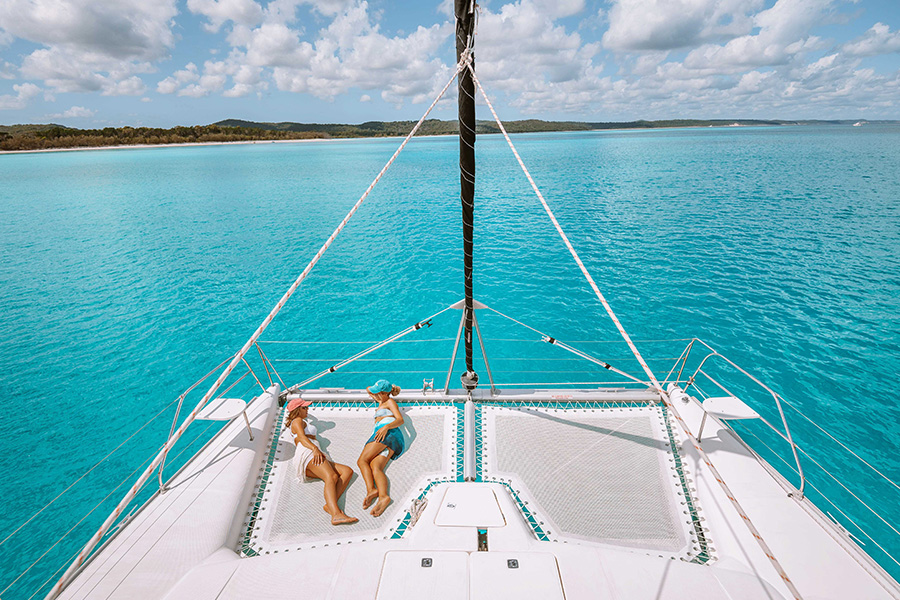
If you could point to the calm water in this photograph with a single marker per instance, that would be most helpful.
(125, 275)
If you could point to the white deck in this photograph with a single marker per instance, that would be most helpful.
(185, 543)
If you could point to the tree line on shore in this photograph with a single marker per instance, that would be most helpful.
(56, 136)
(41, 137)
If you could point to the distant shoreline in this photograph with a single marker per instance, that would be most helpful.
(266, 133)
(174, 145)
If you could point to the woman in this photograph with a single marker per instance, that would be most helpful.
(386, 443)
(313, 464)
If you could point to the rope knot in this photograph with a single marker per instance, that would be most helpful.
(465, 57)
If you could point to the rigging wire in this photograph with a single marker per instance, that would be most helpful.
(91, 544)
(86, 473)
(836, 507)
(694, 442)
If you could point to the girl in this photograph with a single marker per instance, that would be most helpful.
(386, 443)
(313, 464)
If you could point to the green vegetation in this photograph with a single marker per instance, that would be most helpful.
(40, 137)
(438, 127)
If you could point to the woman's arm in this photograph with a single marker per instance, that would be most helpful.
(397, 422)
(298, 429)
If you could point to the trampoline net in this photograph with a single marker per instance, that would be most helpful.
(288, 514)
(600, 474)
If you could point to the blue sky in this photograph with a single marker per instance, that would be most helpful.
(97, 63)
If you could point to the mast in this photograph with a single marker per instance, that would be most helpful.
(465, 23)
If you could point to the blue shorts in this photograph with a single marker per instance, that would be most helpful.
(393, 440)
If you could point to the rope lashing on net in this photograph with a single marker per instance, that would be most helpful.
(92, 543)
(417, 326)
(702, 454)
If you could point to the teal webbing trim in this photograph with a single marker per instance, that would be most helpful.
(246, 548)
(460, 440)
(704, 555)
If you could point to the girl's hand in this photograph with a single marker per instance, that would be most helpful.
(382, 433)
(318, 457)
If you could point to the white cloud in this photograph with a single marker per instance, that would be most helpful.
(554, 70)
(90, 45)
(639, 25)
(132, 86)
(75, 112)
(170, 85)
(753, 82)
(277, 45)
(365, 98)
(352, 53)
(329, 8)
(206, 86)
(87, 72)
(218, 12)
(24, 93)
(191, 83)
(121, 29)
(7, 70)
(784, 31)
(877, 40)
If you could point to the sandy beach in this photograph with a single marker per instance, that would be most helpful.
(140, 146)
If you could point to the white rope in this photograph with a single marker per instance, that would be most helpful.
(209, 394)
(837, 508)
(565, 239)
(703, 456)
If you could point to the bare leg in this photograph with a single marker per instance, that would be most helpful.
(326, 473)
(345, 474)
(369, 452)
(381, 483)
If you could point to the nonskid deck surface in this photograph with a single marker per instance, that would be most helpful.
(594, 473)
(291, 515)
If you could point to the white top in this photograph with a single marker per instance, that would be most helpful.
(308, 428)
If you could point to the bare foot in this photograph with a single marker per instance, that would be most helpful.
(381, 506)
(369, 499)
(342, 519)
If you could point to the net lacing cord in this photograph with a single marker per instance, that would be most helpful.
(703, 456)
(91, 544)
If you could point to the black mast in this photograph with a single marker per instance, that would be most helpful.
(465, 23)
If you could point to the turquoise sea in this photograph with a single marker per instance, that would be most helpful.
(126, 275)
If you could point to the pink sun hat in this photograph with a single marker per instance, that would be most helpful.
(297, 402)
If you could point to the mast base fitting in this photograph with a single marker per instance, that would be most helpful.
(469, 380)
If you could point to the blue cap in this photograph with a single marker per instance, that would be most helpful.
(382, 385)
